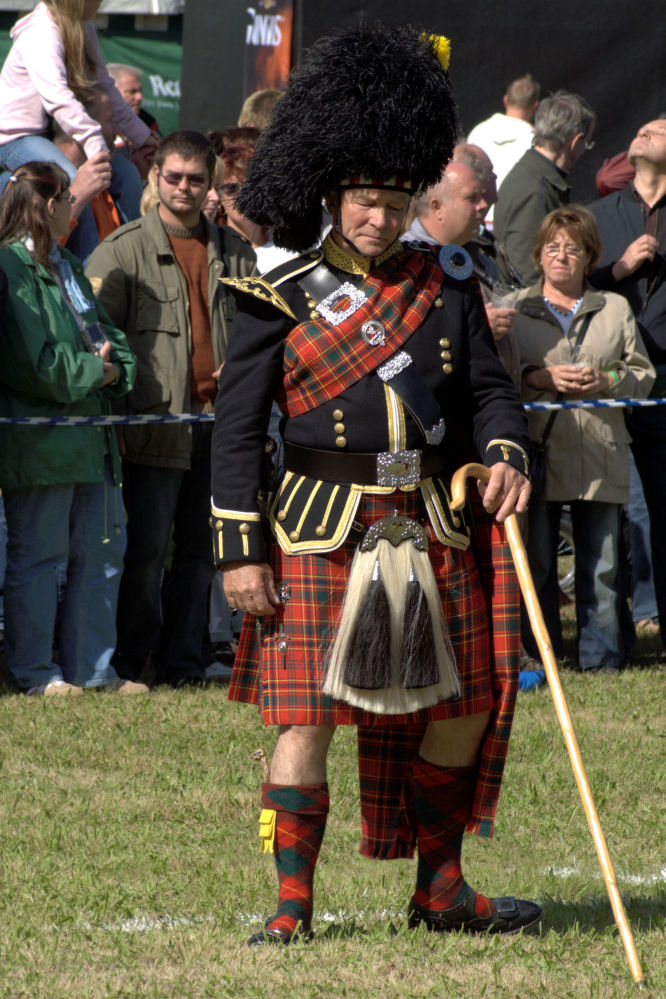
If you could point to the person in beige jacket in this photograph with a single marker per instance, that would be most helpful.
(587, 454)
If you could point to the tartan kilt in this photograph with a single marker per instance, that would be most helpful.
(287, 687)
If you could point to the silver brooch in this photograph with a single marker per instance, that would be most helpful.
(373, 333)
(357, 298)
(455, 261)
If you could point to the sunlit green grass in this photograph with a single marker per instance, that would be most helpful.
(130, 868)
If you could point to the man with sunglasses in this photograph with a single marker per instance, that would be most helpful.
(159, 277)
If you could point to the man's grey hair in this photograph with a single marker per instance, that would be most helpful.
(464, 153)
(421, 203)
(559, 118)
(118, 69)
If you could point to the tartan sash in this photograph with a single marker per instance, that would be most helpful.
(322, 360)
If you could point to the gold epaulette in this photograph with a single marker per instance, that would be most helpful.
(261, 289)
(264, 287)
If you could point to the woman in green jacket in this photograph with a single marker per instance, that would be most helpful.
(59, 356)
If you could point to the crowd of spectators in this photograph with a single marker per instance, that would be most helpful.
(575, 313)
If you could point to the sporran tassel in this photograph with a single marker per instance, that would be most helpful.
(418, 655)
(368, 663)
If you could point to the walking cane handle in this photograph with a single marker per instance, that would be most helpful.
(459, 481)
(478, 471)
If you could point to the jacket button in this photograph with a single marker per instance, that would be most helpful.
(339, 428)
(294, 535)
(244, 528)
(282, 515)
(320, 531)
(337, 414)
(219, 524)
(447, 368)
(446, 355)
(341, 442)
(314, 314)
(438, 303)
(445, 342)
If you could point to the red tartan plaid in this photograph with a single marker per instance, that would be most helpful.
(289, 687)
(301, 811)
(322, 360)
(288, 691)
(442, 799)
(493, 557)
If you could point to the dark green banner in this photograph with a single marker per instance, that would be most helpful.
(160, 59)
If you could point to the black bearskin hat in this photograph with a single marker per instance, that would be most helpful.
(373, 101)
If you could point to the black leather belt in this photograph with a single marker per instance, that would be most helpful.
(386, 468)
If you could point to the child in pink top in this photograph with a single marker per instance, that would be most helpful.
(54, 57)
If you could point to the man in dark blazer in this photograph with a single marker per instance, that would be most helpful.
(385, 371)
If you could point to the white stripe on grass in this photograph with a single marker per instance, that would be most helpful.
(630, 879)
(144, 924)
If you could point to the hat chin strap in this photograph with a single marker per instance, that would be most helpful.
(336, 226)
(349, 242)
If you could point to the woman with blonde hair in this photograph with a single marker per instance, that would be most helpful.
(49, 73)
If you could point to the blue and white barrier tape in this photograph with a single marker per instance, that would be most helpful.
(123, 421)
(594, 404)
(115, 421)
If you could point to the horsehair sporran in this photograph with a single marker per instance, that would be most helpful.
(379, 645)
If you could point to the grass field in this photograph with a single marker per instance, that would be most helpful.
(130, 868)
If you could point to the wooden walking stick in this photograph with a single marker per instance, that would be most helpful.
(519, 556)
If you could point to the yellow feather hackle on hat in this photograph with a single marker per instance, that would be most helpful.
(442, 47)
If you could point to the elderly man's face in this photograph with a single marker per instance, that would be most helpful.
(129, 86)
(371, 218)
(650, 143)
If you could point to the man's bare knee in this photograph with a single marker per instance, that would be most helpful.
(300, 754)
(307, 735)
(455, 742)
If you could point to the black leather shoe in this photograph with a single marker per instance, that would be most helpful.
(267, 936)
(592, 670)
(511, 916)
(188, 680)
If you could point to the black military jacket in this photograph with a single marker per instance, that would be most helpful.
(453, 352)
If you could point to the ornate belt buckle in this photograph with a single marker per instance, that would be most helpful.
(398, 468)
